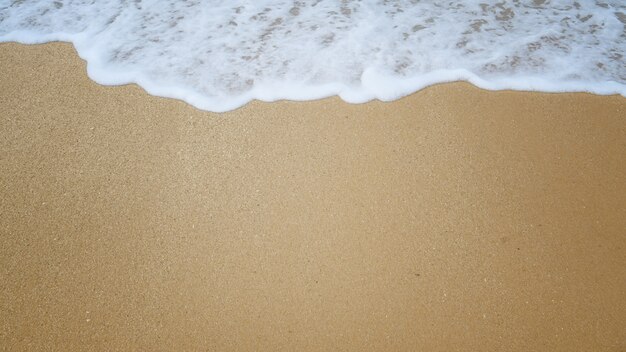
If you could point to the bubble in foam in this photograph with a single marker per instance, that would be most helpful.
(219, 55)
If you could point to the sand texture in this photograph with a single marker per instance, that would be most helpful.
(455, 219)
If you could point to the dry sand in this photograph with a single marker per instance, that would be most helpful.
(453, 219)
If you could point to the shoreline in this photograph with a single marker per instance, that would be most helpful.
(348, 95)
(452, 219)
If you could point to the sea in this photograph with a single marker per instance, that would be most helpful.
(219, 55)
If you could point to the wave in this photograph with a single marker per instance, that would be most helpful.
(219, 55)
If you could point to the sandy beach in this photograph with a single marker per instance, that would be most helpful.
(455, 219)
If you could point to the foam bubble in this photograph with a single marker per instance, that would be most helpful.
(219, 55)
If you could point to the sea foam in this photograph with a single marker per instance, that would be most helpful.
(219, 55)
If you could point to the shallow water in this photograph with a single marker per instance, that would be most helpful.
(218, 55)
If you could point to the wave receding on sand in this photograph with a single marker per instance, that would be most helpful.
(219, 57)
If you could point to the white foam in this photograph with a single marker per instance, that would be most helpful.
(219, 55)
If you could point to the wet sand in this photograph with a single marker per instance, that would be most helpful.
(453, 219)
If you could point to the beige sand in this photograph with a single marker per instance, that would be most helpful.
(454, 219)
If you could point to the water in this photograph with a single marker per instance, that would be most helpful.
(219, 55)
